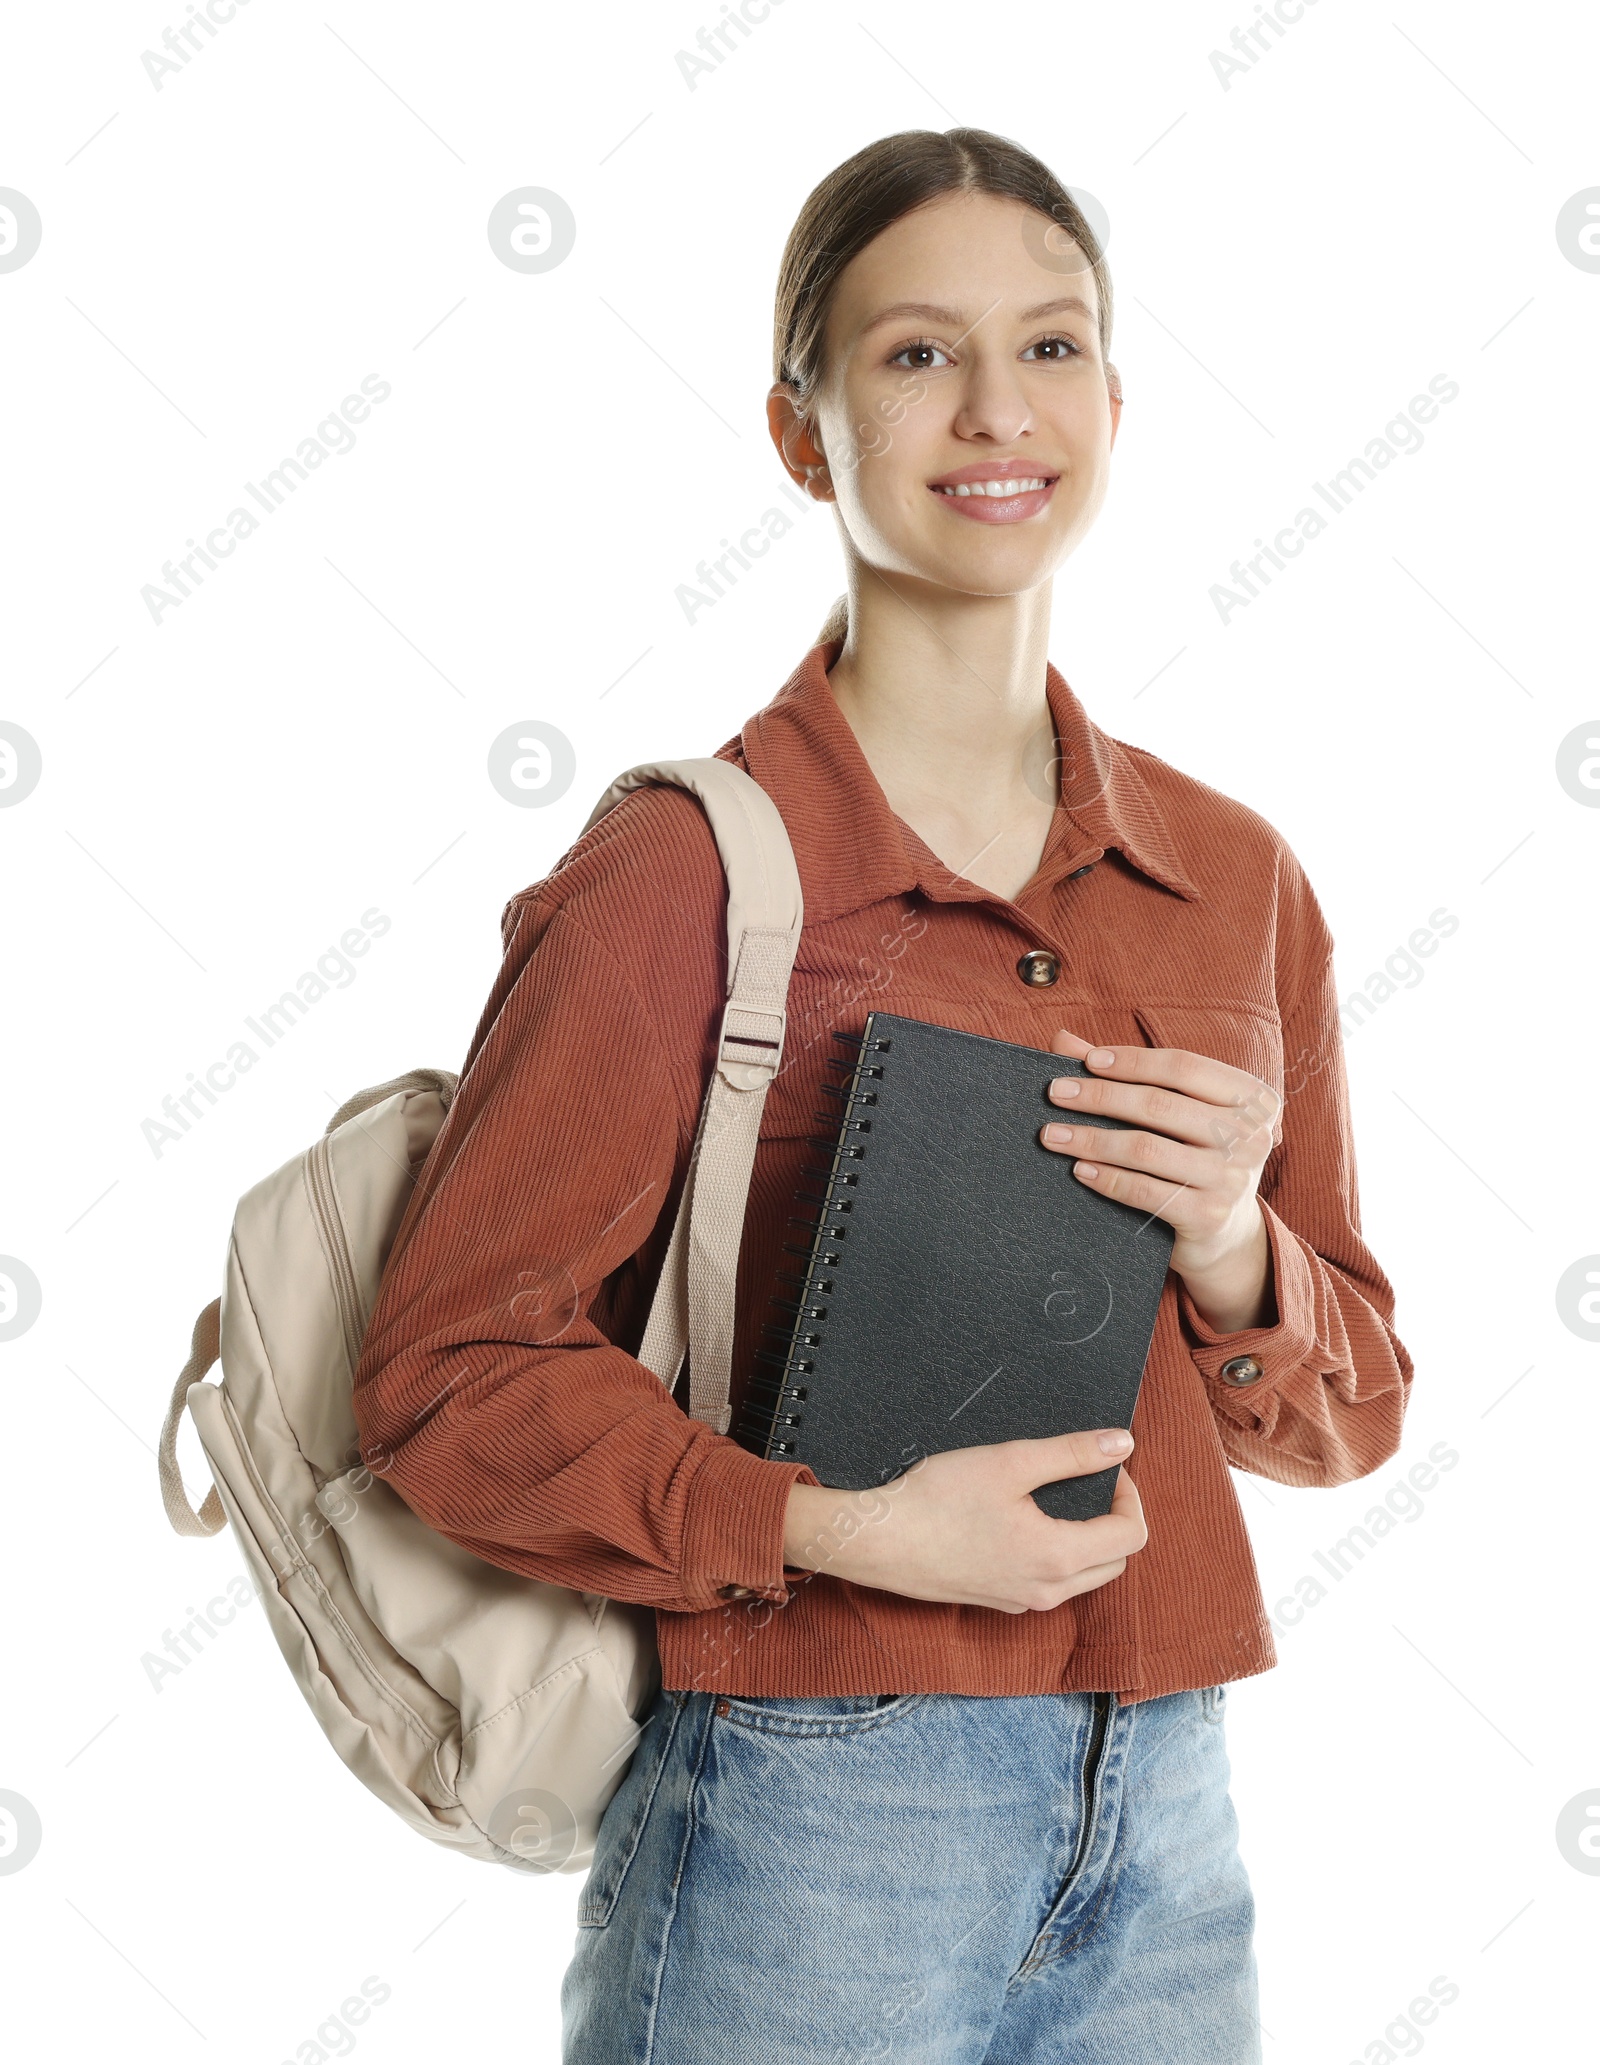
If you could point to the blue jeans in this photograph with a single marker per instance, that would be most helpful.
(930, 1877)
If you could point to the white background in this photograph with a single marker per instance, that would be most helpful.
(1295, 256)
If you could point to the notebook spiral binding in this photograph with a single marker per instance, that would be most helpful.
(767, 1410)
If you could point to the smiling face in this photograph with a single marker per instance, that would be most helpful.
(964, 422)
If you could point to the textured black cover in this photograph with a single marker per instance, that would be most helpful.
(961, 1287)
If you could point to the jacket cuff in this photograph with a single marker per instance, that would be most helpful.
(1242, 1369)
(733, 1527)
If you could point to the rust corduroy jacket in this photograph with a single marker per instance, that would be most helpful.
(497, 1390)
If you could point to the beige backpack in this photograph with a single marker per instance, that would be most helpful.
(493, 1712)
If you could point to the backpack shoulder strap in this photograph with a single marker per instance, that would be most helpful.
(694, 1300)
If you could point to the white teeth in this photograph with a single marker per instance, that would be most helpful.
(995, 487)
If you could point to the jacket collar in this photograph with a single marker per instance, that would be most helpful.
(851, 848)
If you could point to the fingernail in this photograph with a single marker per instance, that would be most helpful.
(1115, 1443)
(1102, 1057)
(1064, 1087)
(1058, 1136)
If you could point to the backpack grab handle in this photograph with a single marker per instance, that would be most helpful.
(203, 1352)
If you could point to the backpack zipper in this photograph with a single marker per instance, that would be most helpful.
(330, 1232)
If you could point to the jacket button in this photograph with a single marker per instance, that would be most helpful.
(1038, 969)
(734, 1592)
(1243, 1369)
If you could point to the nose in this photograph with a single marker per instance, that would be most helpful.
(993, 403)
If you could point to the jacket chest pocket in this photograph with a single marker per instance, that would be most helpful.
(1243, 1035)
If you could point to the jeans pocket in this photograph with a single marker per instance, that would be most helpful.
(622, 1825)
(847, 1713)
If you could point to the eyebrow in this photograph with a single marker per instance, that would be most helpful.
(931, 312)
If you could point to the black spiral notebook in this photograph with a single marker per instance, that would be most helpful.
(960, 1285)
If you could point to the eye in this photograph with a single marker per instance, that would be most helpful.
(1069, 349)
(922, 344)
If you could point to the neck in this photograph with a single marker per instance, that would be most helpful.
(946, 696)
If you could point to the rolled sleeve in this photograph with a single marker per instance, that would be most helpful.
(1319, 1396)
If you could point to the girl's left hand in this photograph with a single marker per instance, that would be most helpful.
(1202, 1132)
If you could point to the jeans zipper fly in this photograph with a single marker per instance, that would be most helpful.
(1099, 1728)
(1049, 1936)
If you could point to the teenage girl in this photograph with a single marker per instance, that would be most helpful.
(930, 1774)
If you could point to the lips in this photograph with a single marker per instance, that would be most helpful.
(996, 491)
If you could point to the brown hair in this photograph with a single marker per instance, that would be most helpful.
(881, 183)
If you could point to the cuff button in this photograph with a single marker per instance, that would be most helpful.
(1243, 1369)
(734, 1592)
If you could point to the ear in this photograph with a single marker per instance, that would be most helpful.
(803, 458)
(1114, 390)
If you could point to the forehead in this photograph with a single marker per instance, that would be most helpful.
(957, 258)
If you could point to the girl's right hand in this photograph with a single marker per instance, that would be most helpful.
(962, 1526)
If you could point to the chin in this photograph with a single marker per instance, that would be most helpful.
(989, 574)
